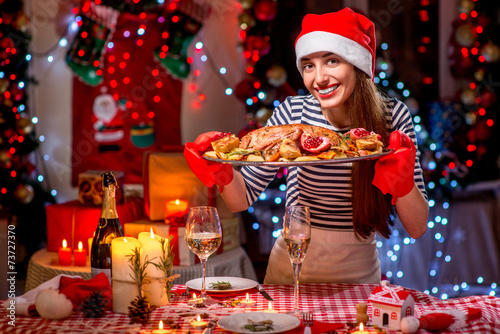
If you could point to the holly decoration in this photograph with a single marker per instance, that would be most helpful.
(95, 305)
(140, 311)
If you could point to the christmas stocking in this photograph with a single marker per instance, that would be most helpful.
(184, 24)
(85, 55)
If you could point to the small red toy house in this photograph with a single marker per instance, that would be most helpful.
(390, 305)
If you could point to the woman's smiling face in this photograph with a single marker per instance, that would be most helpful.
(329, 78)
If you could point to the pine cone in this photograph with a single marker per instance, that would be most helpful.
(140, 311)
(95, 305)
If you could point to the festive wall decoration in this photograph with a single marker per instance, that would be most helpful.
(127, 88)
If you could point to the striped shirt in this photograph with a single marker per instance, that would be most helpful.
(326, 189)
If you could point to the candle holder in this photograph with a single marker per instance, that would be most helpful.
(160, 329)
(198, 323)
(270, 309)
(247, 302)
(195, 301)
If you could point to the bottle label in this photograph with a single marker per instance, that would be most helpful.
(96, 271)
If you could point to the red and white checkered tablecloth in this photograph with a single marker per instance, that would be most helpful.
(333, 304)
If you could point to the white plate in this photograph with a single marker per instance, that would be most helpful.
(237, 283)
(281, 322)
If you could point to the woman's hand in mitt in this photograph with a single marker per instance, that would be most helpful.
(394, 173)
(209, 172)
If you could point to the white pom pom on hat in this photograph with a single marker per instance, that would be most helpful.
(51, 304)
(345, 33)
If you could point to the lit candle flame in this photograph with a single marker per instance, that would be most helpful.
(160, 325)
(125, 240)
(80, 246)
(194, 295)
(152, 234)
(177, 202)
(198, 318)
(65, 243)
(361, 327)
(247, 297)
(270, 307)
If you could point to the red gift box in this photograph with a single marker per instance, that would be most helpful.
(75, 222)
(167, 177)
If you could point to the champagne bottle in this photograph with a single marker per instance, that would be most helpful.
(109, 227)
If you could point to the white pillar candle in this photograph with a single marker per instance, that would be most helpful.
(151, 247)
(125, 289)
(154, 286)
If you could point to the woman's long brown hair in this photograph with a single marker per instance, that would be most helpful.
(371, 209)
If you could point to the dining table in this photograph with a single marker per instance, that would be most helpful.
(333, 307)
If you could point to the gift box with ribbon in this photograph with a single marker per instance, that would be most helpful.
(184, 256)
(167, 177)
(76, 222)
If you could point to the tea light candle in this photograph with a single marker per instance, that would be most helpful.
(361, 330)
(64, 254)
(160, 329)
(270, 308)
(195, 300)
(176, 208)
(80, 255)
(198, 323)
(247, 301)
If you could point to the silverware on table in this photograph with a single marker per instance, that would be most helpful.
(263, 292)
(211, 326)
(307, 320)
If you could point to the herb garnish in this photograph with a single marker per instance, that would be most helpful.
(221, 285)
(259, 326)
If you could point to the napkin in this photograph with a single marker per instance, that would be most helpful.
(319, 327)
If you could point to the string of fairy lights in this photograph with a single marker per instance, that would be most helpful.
(391, 250)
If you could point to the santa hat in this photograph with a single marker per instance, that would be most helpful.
(347, 34)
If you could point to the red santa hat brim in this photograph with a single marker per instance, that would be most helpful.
(345, 33)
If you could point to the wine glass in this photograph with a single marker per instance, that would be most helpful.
(203, 237)
(297, 235)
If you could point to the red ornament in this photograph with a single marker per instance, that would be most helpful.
(257, 43)
(488, 98)
(245, 89)
(265, 10)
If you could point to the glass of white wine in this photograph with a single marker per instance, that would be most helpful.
(297, 235)
(203, 237)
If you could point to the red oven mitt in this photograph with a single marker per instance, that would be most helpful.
(209, 172)
(78, 289)
(394, 173)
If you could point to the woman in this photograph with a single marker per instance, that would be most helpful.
(335, 55)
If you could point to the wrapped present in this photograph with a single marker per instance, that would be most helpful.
(90, 187)
(184, 256)
(76, 222)
(167, 177)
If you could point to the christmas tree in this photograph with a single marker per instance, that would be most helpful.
(22, 197)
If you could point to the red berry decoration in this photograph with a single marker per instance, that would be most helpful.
(314, 144)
